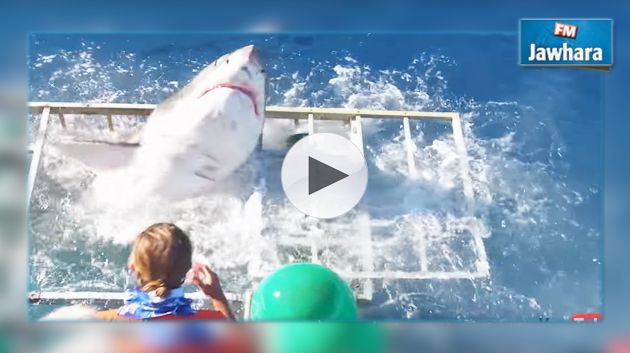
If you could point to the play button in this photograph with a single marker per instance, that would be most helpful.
(321, 175)
(324, 175)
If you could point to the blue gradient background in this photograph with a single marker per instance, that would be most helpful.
(18, 18)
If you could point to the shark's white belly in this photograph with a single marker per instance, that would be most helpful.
(185, 155)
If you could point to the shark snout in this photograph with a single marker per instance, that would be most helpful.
(251, 55)
(250, 51)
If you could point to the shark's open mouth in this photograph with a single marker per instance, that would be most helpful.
(243, 89)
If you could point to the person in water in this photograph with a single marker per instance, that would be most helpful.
(160, 260)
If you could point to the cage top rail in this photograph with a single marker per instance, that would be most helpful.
(310, 114)
(274, 112)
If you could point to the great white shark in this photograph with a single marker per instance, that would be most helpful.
(193, 140)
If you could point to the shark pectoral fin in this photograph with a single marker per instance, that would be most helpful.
(99, 156)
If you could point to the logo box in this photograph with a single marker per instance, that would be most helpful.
(565, 42)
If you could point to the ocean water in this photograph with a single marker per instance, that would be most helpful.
(534, 140)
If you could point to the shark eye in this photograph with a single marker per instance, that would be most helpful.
(227, 61)
(262, 71)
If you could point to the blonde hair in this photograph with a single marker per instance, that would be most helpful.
(161, 257)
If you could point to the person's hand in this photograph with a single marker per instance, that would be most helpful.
(208, 281)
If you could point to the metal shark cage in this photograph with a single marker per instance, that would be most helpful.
(364, 232)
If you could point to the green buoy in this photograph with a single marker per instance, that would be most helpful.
(303, 292)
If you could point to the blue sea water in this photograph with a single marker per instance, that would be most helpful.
(534, 138)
